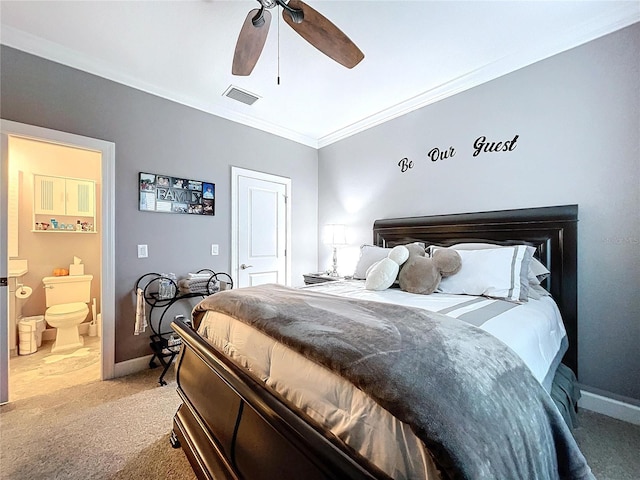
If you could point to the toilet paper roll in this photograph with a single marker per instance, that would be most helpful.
(23, 292)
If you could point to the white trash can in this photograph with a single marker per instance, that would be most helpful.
(30, 334)
(41, 325)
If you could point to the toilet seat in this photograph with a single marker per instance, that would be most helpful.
(66, 309)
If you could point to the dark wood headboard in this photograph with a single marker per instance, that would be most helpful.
(552, 230)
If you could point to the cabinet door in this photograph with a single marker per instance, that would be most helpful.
(80, 197)
(49, 195)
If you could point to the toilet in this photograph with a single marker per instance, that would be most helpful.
(66, 299)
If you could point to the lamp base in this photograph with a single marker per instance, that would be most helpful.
(334, 268)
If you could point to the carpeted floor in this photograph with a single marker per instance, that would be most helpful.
(119, 429)
(611, 447)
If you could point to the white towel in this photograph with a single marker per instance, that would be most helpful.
(198, 284)
(141, 315)
(206, 276)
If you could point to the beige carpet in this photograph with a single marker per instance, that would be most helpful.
(117, 429)
(611, 447)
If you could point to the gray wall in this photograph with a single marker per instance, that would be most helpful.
(155, 135)
(578, 120)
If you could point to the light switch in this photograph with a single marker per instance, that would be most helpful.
(143, 251)
(214, 249)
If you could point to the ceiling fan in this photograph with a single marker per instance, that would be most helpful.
(311, 25)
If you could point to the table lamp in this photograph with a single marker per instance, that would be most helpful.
(335, 236)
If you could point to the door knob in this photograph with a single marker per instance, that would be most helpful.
(245, 266)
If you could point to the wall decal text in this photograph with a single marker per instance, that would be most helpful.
(405, 164)
(480, 145)
(436, 154)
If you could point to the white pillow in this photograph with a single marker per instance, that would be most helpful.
(369, 254)
(399, 254)
(382, 275)
(537, 271)
(537, 292)
(366, 275)
(492, 272)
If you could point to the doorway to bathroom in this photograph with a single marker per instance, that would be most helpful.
(46, 240)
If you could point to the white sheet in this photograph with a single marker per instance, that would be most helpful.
(534, 330)
(531, 329)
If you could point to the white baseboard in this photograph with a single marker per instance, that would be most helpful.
(134, 365)
(610, 407)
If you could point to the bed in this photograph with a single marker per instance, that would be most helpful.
(235, 424)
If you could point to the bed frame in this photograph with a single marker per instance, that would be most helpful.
(232, 427)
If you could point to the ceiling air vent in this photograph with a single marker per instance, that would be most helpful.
(241, 95)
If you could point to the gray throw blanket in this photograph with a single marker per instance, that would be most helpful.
(466, 395)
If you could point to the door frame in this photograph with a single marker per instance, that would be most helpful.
(107, 236)
(236, 173)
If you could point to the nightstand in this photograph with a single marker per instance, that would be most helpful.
(310, 278)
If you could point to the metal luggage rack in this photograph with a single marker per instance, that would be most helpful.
(165, 345)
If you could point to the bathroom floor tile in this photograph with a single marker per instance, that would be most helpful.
(44, 372)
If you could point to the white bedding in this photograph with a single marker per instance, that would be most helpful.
(534, 330)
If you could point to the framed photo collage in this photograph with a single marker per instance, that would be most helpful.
(166, 194)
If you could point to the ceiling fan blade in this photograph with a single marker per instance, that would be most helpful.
(316, 29)
(250, 42)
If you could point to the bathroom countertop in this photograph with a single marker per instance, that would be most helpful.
(17, 272)
(18, 268)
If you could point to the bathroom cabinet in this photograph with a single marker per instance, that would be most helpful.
(65, 199)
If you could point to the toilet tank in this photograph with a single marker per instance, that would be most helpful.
(67, 289)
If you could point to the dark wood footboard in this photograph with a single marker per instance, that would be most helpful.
(230, 426)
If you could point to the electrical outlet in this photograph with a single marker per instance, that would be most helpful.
(214, 249)
(143, 251)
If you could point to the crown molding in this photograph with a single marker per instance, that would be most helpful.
(622, 17)
(39, 47)
(625, 15)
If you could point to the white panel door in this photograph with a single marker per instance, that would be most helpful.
(262, 247)
(260, 228)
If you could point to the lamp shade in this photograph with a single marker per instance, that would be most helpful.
(335, 234)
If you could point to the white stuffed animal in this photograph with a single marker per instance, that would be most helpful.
(382, 274)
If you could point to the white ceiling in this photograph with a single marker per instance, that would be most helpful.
(416, 52)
